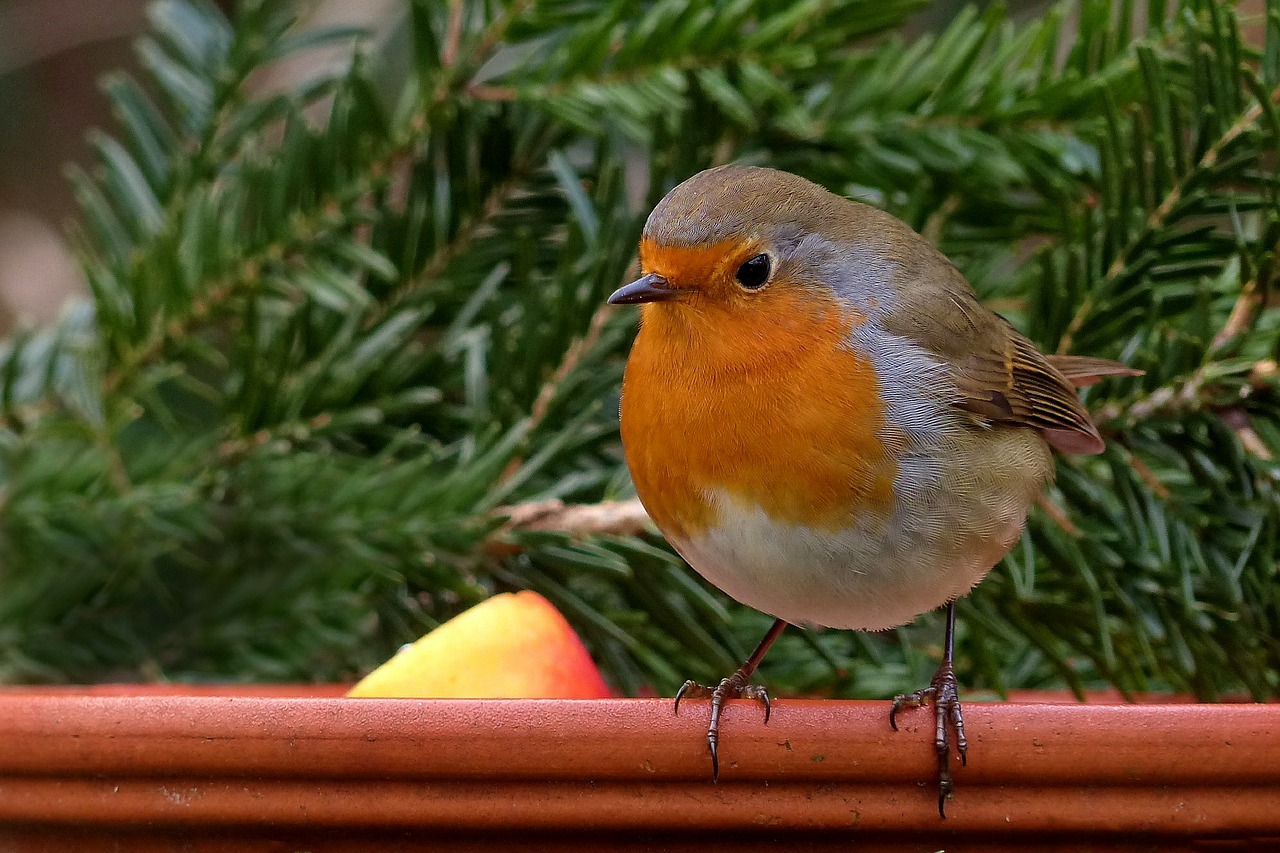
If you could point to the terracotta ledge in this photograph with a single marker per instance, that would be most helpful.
(328, 771)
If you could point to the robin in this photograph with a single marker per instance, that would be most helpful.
(824, 421)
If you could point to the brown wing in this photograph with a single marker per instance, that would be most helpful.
(1012, 382)
(1001, 376)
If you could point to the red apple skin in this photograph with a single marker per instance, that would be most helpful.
(510, 646)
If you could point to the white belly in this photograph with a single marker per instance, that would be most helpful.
(879, 573)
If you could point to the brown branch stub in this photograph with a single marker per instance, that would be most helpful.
(493, 93)
(1242, 315)
(616, 518)
(1154, 483)
(497, 30)
(937, 220)
(1264, 373)
(1237, 419)
(1057, 515)
(453, 40)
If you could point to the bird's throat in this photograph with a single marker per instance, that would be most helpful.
(720, 403)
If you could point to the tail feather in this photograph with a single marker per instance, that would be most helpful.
(1082, 370)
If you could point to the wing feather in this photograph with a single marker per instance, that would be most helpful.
(1000, 376)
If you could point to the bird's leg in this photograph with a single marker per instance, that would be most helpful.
(942, 691)
(735, 686)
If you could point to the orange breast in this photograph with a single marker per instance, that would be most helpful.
(768, 405)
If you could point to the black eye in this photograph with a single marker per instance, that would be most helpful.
(755, 272)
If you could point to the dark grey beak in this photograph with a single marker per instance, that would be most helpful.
(648, 288)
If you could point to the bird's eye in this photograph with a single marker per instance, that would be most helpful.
(754, 273)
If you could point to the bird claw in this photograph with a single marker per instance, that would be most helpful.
(733, 687)
(944, 694)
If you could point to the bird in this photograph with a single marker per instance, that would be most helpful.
(825, 422)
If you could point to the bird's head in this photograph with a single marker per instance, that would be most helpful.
(746, 240)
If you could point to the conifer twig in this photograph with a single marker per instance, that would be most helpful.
(1158, 217)
(579, 347)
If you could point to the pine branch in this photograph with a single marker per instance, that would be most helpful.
(1159, 219)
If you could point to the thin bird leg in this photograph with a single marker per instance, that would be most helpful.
(734, 687)
(943, 692)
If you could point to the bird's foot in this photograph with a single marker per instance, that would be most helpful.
(942, 692)
(733, 687)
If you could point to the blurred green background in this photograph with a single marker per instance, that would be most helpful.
(52, 54)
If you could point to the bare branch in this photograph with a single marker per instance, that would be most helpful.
(618, 518)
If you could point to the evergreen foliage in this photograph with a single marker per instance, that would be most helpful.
(335, 329)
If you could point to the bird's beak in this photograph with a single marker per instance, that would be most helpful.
(647, 288)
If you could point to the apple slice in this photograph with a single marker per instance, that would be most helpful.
(510, 646)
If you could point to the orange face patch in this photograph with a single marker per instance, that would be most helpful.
(762, 400)
(706, 269)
